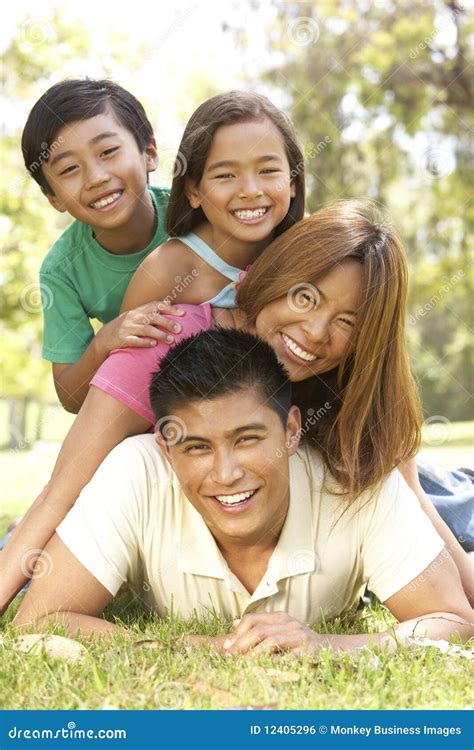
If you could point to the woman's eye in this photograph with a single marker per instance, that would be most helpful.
(110, 151)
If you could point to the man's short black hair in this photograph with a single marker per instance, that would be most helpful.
(217, 363)
(72, 100)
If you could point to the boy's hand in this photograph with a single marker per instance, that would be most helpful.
(138, 327)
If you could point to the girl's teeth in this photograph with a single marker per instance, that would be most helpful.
(233, 499)
(293, 346)
(106, 201)
(250, 214)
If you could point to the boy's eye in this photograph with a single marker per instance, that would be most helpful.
(223, 176)
(68, 170)
(248, 438)
(195, 448)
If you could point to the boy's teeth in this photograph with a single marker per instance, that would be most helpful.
(297, 350)
(246, 214)
(106, 201)
(233, 499)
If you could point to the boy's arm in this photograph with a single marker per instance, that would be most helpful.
(136, 328)
(463, 562)
(101, 424)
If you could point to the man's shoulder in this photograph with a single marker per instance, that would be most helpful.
(68, 245)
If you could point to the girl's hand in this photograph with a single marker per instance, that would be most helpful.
(145, 326)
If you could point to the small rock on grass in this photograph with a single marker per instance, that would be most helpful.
(54, 646)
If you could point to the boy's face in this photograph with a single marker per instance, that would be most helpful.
(232, 463)
(98, 174)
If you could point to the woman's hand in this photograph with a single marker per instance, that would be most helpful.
(144, 326)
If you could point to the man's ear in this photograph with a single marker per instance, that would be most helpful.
(192, 193)
(293, 430)
(151, 155)
(163, 446)
(54, 201)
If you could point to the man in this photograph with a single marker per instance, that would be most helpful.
(227, 514)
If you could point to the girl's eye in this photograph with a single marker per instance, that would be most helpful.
(223, 176)
(310, 298)
(347, 322)
(109, 151)
(68, 170)
(270, 171)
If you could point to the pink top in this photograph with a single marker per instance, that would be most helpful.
(126, 373)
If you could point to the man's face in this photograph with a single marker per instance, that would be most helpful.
(232, 464)
(97, 172)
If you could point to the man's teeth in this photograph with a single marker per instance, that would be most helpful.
(293, 346)
(255, 214)
(106, 201)
(233, 499)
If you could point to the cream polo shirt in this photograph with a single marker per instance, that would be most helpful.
(133, 523)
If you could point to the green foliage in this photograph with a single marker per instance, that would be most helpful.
(380, 96)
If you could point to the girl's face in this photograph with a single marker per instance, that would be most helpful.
(245, 190)
(313, 327)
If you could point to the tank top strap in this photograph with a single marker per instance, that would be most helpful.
(210, 257)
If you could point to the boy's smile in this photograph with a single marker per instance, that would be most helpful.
(99, 176)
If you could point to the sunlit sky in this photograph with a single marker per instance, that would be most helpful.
(185, 42)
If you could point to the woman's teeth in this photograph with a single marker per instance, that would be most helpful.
(234, 499)
(246, 214)
(103, 202)
(293, 347)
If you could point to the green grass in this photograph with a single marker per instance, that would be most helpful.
(119, 674)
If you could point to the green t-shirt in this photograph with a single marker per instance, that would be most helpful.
(81, 281)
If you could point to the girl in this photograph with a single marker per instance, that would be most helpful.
(239, 182)
(329, 296)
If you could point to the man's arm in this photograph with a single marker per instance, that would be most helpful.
(136, 328)
(102, 423)
(432, 605)
(67, 593)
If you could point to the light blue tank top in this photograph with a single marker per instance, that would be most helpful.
(226, 297)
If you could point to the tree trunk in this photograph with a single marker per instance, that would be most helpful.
(17, 422)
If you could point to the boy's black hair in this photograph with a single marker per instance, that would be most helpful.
(72, 100)
(216, 363)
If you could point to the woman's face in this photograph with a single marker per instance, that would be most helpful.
(314, 326)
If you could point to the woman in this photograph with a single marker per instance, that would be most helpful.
(329, 296)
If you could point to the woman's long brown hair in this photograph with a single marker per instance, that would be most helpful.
(374, 417)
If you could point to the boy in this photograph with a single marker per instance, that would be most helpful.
(89, 146)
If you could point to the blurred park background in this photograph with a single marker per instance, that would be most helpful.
(381, 95)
